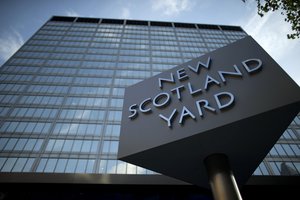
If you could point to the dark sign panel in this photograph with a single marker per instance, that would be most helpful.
(235, 100)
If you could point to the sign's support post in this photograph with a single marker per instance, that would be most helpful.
(221, 178)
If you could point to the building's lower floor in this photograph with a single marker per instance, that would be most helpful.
(258, 187)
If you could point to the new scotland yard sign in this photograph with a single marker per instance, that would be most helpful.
(235, 100)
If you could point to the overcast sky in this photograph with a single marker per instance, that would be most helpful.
(20, 19)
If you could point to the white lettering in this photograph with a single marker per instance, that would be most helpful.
(210, 80)
(133, 111)
(181, 74)
(200, 64)
(193, 92)
(185, 113)
(177, 89)
(171, 80)
(252, 65)
(169, 119)
(143, 104)
(236, 73)
(206, 105)
(223, 95)
(158, 97)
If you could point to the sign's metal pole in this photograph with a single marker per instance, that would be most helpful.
(221, 178)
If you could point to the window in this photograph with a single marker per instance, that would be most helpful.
(110, 147)
(11, 144)
(77, 129)
(273, 152)
(9, 164)
(111, 166)
(125, 82)
(34, 113)
(90, 102)
(77, 146)
(114, 145)
(131, 169)
(61, 165)
(112, 130)
(102, 166)
(3, 142)
(8, 99)
(263, 169)
(90, 166)
(50, 166)
(20, 144)
(116, 103)
(121, 167)
(95, 91)
(86, 146)
(42, 100)
(58, 145)
(27, 167)
(71, 166)
(118, 92)
(114, 116)
(280, 150)
(81, 166)
(133, 74)
(68, 146)
(82, 114)
(93, 81)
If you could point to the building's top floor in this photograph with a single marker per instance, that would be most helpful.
(144, 23)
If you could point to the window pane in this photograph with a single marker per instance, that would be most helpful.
(58, 145)
(38, 145)
(10, 145)
(2, 161)
(77, 146)
(81, 166)
(50, 165)
(111, 166)
(3, 142)
(121, 167)
(9, 164)
(105, 147)
(94, 146)
(61, 165)
(141, 170)
(41, 166)
(102, 166)
(274, 168)
(20, 144)
(90, 166)
(86, 146)
(286, 168)
(71, 165)
(131, 169)
(50, 145)
(257, 171)
(114, 147)
(67, 146)
(19, 165)
(28, 165)
(263, 169)
(30, 144)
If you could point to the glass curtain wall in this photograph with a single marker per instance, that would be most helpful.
(62, 93)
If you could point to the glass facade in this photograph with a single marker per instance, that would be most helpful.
(62, 93)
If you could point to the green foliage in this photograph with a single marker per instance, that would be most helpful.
(289, 8)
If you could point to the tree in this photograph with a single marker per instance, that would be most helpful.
(289, 8)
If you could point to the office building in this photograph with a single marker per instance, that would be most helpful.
(61, 98)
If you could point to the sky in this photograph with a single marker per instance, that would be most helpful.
(20, 19)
